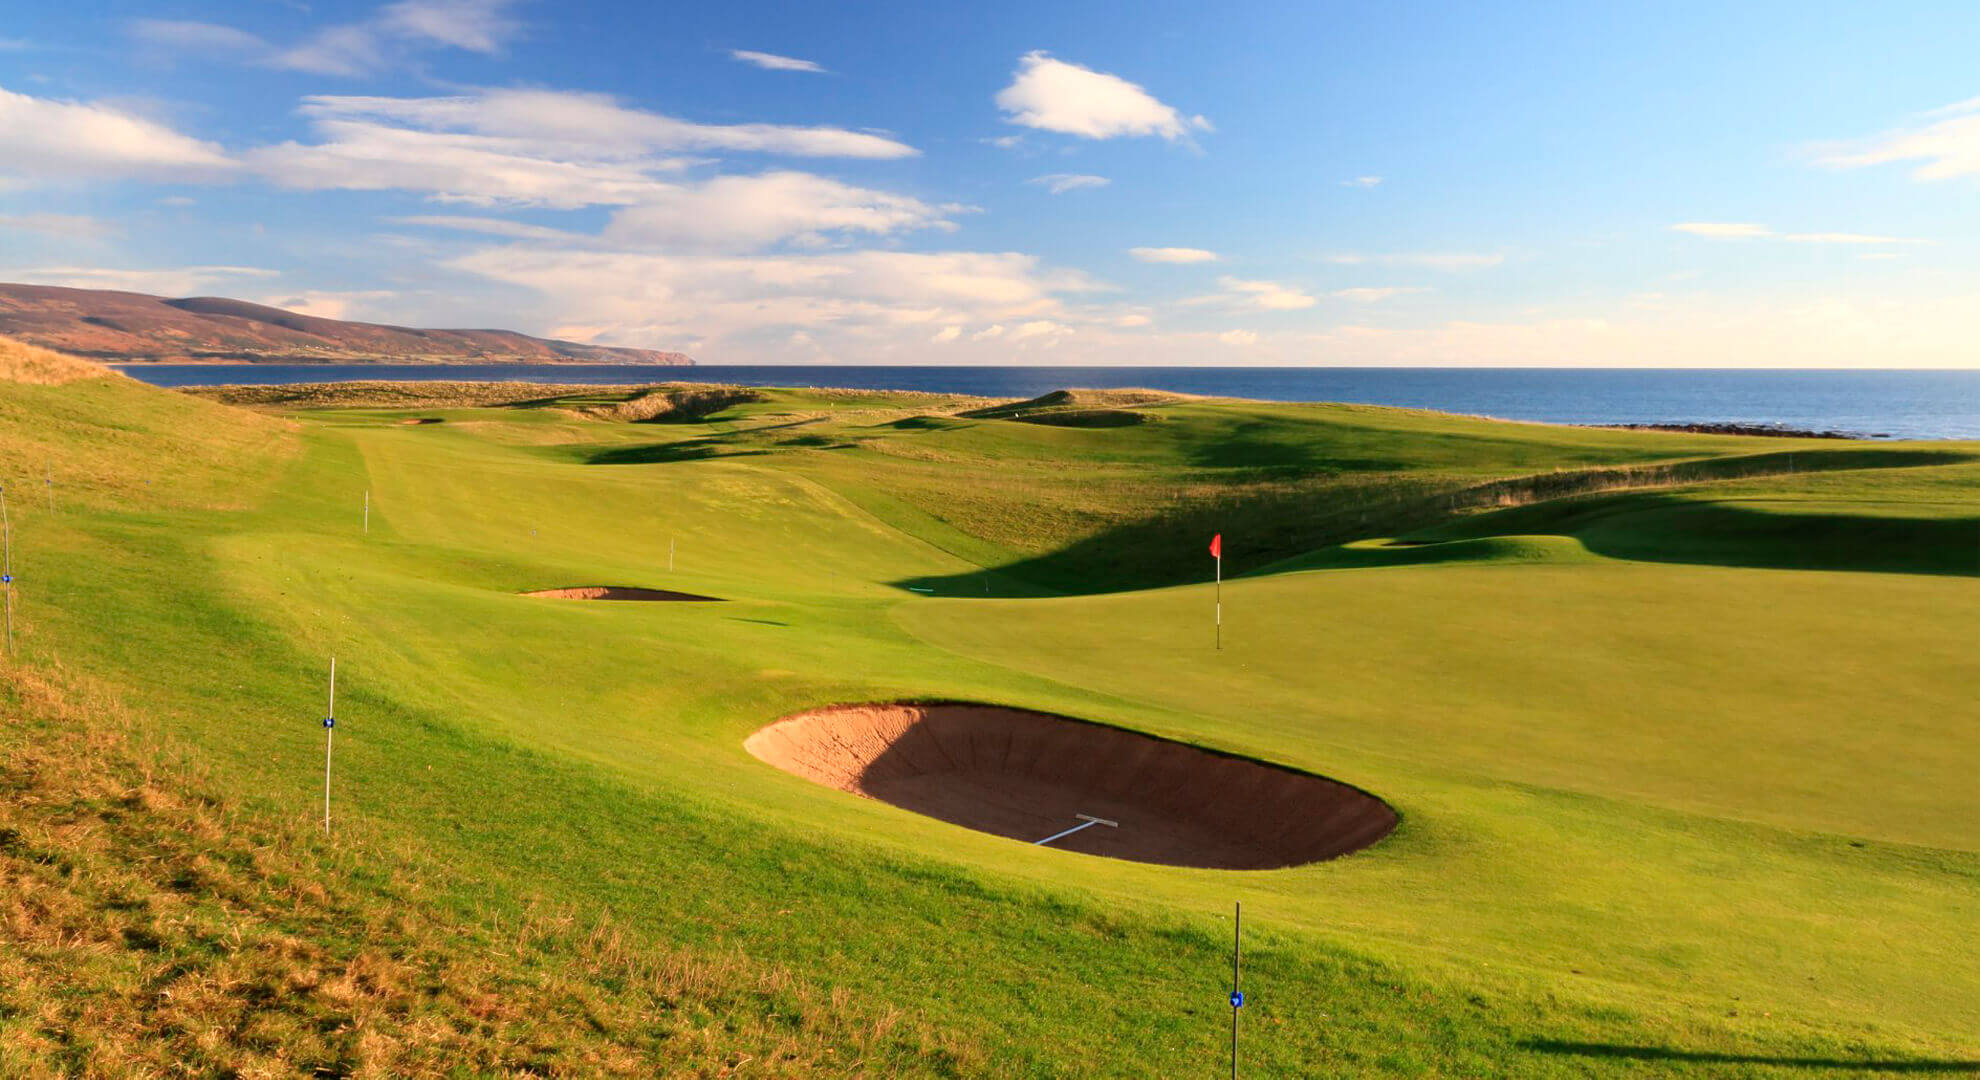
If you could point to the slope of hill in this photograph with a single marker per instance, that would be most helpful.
(137, 327)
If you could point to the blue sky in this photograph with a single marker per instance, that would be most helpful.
(1764, 184)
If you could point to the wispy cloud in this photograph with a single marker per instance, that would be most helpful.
(365, 47)
(1375, 294)
(1724, 230)
(1945, 144)
(1060, 183)
(71, 225)
(1052, 95)
(1362, 182)
(525, 148)
(773, 62)
(1260, 295)
(1239, 338)
(1172, 255)
(1729, 230)
(44, 139)
(1447, 261)
(169, 281)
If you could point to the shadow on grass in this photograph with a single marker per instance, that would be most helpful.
(1710, 1057)
(700, 449)
(1281, 532)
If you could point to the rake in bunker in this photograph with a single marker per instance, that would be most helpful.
(1086, 821)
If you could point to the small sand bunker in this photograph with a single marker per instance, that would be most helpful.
(617, 592)
(419, 420)
(1029, 775)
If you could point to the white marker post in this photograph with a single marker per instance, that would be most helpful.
(329, 739)
(367, 511)
(670, 554)
(1086, 821)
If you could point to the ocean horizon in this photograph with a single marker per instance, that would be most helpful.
(1904, 404)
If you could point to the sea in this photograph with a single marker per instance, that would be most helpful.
(1869, 404)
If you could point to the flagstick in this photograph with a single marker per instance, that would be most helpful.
(329, 739)
(1237, 993)
(1220, 596)
(670, 554)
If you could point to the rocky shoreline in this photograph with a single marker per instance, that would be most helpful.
(1771, 430)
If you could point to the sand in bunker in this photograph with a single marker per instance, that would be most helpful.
(1025, 775)
(616, 592)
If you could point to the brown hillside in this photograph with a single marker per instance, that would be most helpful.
(136, 327)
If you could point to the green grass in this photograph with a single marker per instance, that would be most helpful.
(1682, 739)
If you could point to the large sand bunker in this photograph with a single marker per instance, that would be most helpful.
(1029, 775)
(616, 592)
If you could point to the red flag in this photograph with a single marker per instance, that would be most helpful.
(1217, 546)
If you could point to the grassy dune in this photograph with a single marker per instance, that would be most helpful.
(1680, 732)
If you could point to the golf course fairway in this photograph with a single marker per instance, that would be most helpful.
(1680, 732)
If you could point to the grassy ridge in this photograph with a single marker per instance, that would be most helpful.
(1550, 908)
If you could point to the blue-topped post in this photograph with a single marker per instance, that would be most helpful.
(1237, 988)
(329, 737)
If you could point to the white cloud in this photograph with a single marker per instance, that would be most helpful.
(1749, 231)
(1239, 338)
(523, 147)
(42, 139)
(1362, 182)
(73, 225)
(180, 36)
(1372, 295)
(174, 281)
(744, 212)
(1005, 142)
(1060, 183)
(329, 305)
(489, 226)
(371, 46)
(1039, 328)
(946, 335)
(773, 62)
(178, 200)
(863, 300)
(1946, 147)
(1724, 230)
(1849, 238)
(1447, 261)
(1053, 95)
(1172, 255)
(475, 25)
(1263, 295)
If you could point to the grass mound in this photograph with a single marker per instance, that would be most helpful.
(1073, 401)
(24, 363)
(679, 406)
(149, 925)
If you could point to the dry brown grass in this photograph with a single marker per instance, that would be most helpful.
(150, 928)
(24, 363)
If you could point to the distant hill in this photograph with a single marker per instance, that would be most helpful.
(127, 326)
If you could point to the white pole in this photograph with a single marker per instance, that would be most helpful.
(670, 554)
(1220, 597)
(329, 739)
(7, 570)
